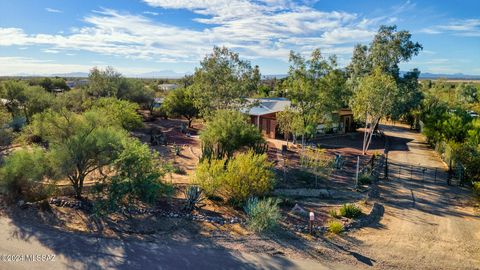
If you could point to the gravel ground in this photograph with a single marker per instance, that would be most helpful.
(427, 224)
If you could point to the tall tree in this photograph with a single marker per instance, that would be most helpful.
(373, 100)
(179, 102)
(315, 87)
(223, 81)
(104, 83)
(387, 50)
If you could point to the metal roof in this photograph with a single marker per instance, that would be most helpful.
(266, 105)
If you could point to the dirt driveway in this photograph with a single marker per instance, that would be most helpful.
(427, 224)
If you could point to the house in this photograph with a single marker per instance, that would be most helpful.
(263, 114)
(167, 86)
(75, 83)
(341, 122)
(70, 84)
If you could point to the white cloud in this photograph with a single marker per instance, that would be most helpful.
(464, 27)
(151, 13)
(256, 29)
(53, 10)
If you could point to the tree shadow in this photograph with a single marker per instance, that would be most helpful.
(182, 250)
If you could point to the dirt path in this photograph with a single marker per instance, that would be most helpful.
(427, 224)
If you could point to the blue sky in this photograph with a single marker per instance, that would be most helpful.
(135, 36)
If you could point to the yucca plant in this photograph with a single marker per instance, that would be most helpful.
(195, 198)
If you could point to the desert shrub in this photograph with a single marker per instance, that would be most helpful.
(263, 215)
(209, 176)
(364, 179)
(333, 213)
(476, 188)
(248, 175)
(22, 172)
(350, 211)
(286, 202)
(179, 170)
(335, 227)
(137, 178)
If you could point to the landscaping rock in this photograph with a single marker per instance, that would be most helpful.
(303, 192)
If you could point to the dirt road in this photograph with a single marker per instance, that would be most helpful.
(427, 224)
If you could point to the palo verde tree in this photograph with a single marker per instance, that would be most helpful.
(137, 176)
(179, 102)
(79, 144)
(227, 131)
(373, 100)
(24, 100)
(223, 81)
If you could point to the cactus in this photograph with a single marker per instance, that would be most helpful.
(194, 196)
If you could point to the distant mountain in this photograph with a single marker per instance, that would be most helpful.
(71, 75)
(426, 75)
(456, 76)
(170, 74)
(162, 74)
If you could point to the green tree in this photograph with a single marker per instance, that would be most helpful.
(14, 94)
(104, 83)
(390, 47)
(223, 81)
(467, 93)
(79, 144)
(22, 172)
(289, 122)
(179, 102)
(373, 100)
(387, 50)
(455, 127)
(5, 130)
(22, 99)
(136, 91)
(409, 97)
(119, 112)
(137, 176)
(316, 88)
(226, 132)
(36, 101)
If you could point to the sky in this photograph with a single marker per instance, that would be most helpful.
(141, 36)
